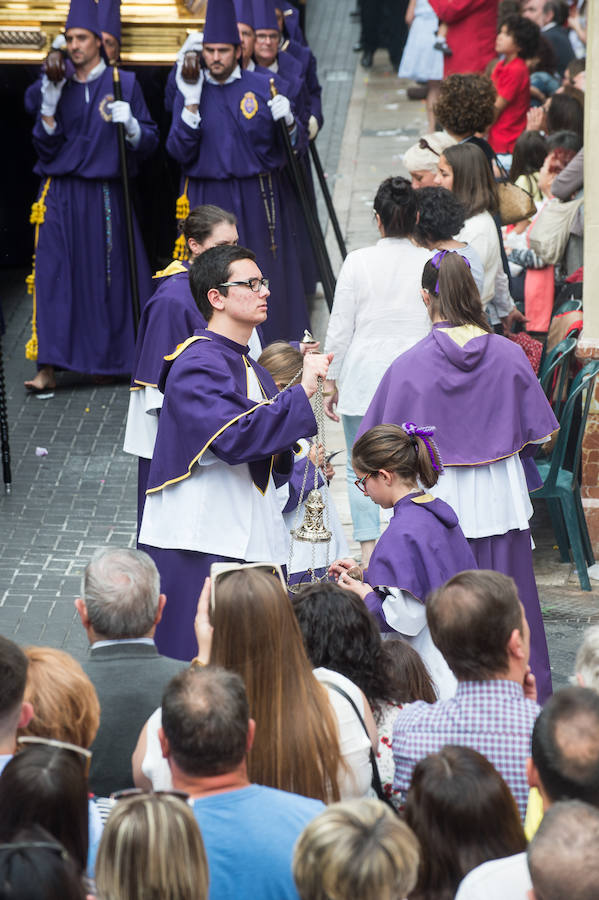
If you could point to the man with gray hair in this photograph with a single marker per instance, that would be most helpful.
(119, 607)
(563, 856)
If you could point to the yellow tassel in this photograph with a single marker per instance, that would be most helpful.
(182, 207)
(180, 250)
(31, 345)
(37, 218)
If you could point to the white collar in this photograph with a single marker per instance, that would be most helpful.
(274, 66)
(251, 66)
(235, 74)
(548, 26)
(93, 74)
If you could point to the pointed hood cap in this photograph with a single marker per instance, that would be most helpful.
(265, 16)
(109, 14)
(84, 14)
(221, 23)
(245, 12)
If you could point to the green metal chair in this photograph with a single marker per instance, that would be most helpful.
(560, 487)
(553, 373)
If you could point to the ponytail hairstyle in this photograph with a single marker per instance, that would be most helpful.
(450, 285)
(203, 219)
(407, 450)
(395, 203)
(282, 361)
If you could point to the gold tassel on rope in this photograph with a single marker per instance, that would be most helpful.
(37, 217)
(180, 250)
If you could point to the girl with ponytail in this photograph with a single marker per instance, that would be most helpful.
(422, 546)
(489, 408)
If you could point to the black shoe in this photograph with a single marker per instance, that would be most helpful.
(357, 47)
(366, 61)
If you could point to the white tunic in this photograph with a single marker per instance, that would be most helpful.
(218, 510)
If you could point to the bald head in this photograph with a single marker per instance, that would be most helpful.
(563, 857)
(565, 746)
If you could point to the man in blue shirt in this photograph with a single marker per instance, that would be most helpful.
(249, 830)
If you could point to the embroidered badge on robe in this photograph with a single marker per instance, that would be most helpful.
(102, 106)
(249, 105)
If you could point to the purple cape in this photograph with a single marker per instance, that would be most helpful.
(206, 406)
(422, 547)
(479, 392)
(168, 318)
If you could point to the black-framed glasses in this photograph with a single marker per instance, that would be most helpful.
(81, 752)
(360, 483)
(424, 145)
(254, 284)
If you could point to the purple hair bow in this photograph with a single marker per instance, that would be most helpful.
(438, 257)
(425, 432)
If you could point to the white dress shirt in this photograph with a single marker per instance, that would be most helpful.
(378, 314)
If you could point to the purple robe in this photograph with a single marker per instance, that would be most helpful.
(206, 406)
(234, 160)
(307, 60)
(422, 547)
(486, 403)
(483, 398)
(84, 316)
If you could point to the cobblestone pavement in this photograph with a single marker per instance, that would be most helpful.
(82, 494)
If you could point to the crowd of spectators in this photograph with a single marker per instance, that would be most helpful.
(246, 812)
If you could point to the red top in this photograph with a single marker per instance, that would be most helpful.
(513, 84)
(471, 33)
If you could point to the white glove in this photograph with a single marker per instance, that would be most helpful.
(193, 41)
(121, 113)
(312, 127)
(191, 92)
(280, 108)
(50, 95)
(59, 42)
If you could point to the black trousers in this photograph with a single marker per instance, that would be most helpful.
(383, 25)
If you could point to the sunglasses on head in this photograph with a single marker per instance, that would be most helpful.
(84, 755)
(219, 571)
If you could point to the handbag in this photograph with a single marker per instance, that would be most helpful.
(550, 232)
(515, 203)
(376, 784)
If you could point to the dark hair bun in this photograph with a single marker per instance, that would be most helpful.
(400, 190)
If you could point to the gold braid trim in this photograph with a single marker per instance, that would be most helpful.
(180, 250)
(37, 217)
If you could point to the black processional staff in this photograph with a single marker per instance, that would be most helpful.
(327, 198)
(314, 230)
(118, 95)
(4, 427)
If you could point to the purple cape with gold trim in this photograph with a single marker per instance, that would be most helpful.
(477, 389)
(206, 406)
(422, 547)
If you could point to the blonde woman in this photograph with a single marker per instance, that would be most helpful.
(357, 850)
(152, 848)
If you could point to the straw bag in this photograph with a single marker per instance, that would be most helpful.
(515, 203)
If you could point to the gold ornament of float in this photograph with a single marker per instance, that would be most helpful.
(152, 31)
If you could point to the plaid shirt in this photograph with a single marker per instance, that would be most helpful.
(492, 717)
